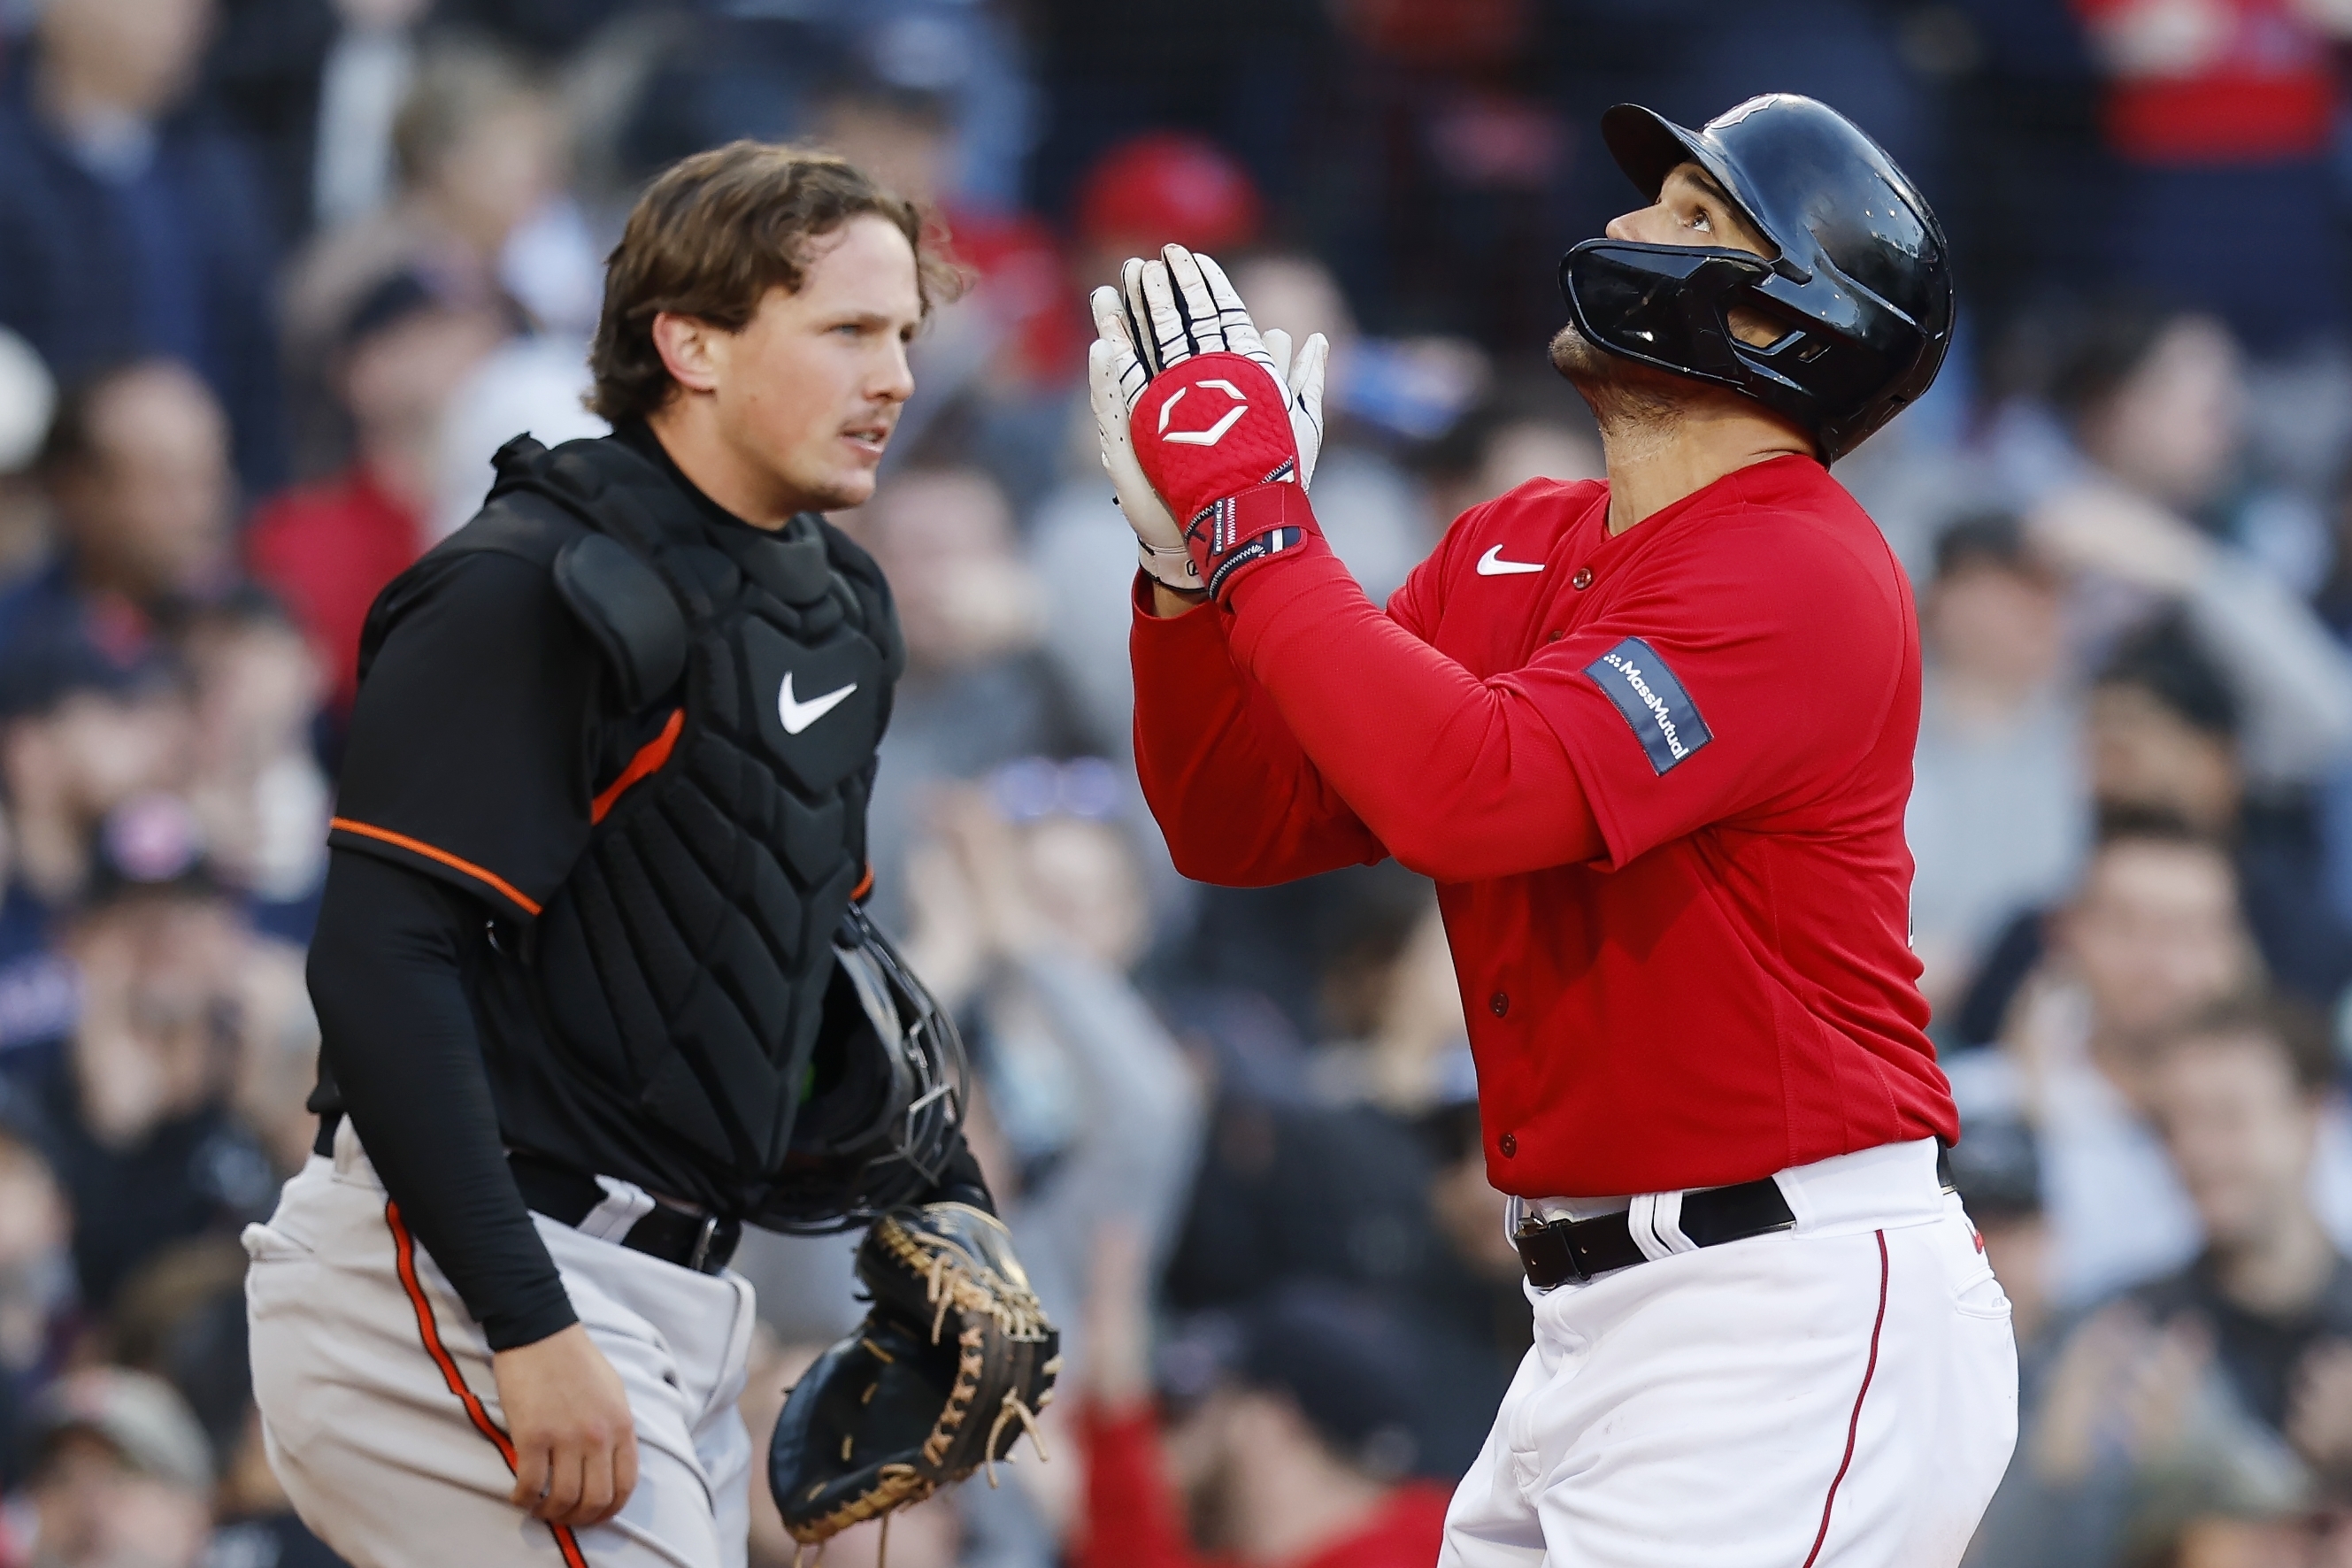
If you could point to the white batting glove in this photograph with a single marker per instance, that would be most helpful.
(1115, 379)
(1183, 304)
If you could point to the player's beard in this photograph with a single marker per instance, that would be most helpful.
(1623, 396)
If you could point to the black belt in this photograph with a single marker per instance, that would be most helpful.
(703, 1243)
(1555, 1252)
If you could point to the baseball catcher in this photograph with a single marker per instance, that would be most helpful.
(595, 986)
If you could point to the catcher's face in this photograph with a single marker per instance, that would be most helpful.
(805, 395)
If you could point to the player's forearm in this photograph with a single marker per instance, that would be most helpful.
(400, 1042)
(1460, 778)
(1238, 802)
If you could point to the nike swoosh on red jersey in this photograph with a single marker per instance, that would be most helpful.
(1492, 564)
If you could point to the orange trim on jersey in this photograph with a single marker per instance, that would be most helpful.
(645, 764)
(418, 846)
(864, 884)
(404, 1250)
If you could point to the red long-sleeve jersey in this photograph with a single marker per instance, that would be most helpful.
(1659, 778)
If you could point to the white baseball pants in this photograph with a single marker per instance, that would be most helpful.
(382, 1418)
(1839, 1395)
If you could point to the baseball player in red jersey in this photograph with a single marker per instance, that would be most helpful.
(1651, 737)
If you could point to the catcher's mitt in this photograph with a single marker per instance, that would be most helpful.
(952, 1364)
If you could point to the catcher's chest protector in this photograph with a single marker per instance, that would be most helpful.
(684, 959)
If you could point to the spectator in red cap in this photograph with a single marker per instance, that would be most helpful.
(1164, 186)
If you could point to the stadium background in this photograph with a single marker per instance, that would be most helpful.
(277, 276)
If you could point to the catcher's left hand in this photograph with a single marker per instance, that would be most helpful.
(951, 1365)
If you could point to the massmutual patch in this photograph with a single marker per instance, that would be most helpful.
(1664, 719)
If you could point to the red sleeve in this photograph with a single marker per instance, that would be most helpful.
(1790, 666)
(1461, 779)
(1237, 800)
(1133, 1517)
(1790, 644)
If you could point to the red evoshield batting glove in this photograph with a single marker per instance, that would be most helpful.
(1214, 437)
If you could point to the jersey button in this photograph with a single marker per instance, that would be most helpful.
(1508, 1145)
(1500, 1003)
(1583, 578)
(1556, 637)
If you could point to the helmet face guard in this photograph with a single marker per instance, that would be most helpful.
(1662, 305)
(1860, 285)
(898, 1147)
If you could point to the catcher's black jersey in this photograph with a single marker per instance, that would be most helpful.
(494, 747)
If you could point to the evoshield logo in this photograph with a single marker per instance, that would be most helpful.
(1214, 433)
(1653, 701)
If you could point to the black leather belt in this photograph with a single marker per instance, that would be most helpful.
(703, 1243)
(1555, 1252)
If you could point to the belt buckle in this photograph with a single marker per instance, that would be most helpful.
(704, 1235)
(1557, 1241)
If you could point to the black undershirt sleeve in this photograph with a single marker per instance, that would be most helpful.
(400, 1043)
(961, 1182)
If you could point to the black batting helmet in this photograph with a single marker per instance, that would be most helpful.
(1862, 282)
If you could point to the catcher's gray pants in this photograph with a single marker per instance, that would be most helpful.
(382, 1421)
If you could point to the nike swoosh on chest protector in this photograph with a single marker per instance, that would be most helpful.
(799, 716)
(1492, 564)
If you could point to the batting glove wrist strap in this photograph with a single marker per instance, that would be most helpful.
(1231, 536)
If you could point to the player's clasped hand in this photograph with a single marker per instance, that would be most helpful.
(575, 1445)
(1164, 316)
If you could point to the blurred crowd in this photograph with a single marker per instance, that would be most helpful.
(277, 276)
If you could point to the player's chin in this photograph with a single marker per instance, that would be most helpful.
(842, 488)
(1581, 360)
(1611, 381)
